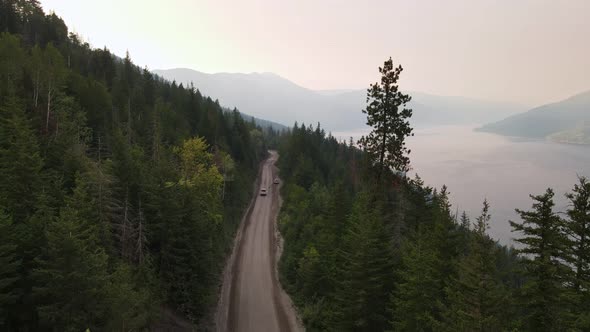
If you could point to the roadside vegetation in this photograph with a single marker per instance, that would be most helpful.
(120, 192)
(369, 249)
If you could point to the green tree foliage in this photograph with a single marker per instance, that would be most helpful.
(190, 253)
(20, 161)
(387, 115)
(428, 254)
(71, 275)
(415, 301)
(476, 296)
(121, 191)
(314, 220)
(365, 279)
(53, 74)
(9, 263)
(11, 64)
(578, 228)
(545, 243)
(129, 299)
(357, 261)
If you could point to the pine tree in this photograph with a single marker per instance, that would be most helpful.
(20, 161)
(191, 229)
(414, 302)
(84, 204)
(9, 264)
(72, 274)
(60, 99)
(130, 303)
(578, 227)
(35, 68)
(127, 171)
(387, 114)
(31, 240)
(329, 238)
(53, 74)
(11, 64)
(310, 273)
(475, 295)
(99, 185)
(365, 282)
(465, 222)
(544, 243)
(427, 266)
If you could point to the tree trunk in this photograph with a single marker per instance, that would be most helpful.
(37, 88)
(140, 236)
(382, 158)
(124, 251)
(580, 263)
(48, 108)
(129, 120)
(155, 138)
(384, 139)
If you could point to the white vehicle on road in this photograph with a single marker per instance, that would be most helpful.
(263, 192)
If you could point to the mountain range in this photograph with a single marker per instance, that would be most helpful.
(272, 97)
(564, 121)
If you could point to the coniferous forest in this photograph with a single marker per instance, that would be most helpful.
(121, 192)
(368, 249)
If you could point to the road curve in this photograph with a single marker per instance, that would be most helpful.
(252, 298)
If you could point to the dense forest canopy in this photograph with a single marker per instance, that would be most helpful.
(369, 249)
(120, 191)
(120, 194)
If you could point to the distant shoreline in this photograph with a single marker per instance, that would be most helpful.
(562, 141)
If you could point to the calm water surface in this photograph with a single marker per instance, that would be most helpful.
(504, 170)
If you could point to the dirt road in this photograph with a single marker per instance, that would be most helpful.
(252, 298)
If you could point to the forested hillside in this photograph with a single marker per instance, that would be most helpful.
(273, 97)
(119, 192)
(368, 249)
(562, 118)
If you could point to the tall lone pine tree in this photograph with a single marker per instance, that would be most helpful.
(387, 114)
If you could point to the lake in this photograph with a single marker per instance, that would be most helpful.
(504, 170)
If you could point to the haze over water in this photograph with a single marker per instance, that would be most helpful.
(504, 170)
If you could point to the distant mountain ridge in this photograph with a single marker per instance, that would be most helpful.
(264, 124)
(547, 120)
(272, 97)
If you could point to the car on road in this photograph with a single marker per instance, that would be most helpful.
(276, 181)
(263, 192)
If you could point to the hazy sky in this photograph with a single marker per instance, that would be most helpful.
(526, 51)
